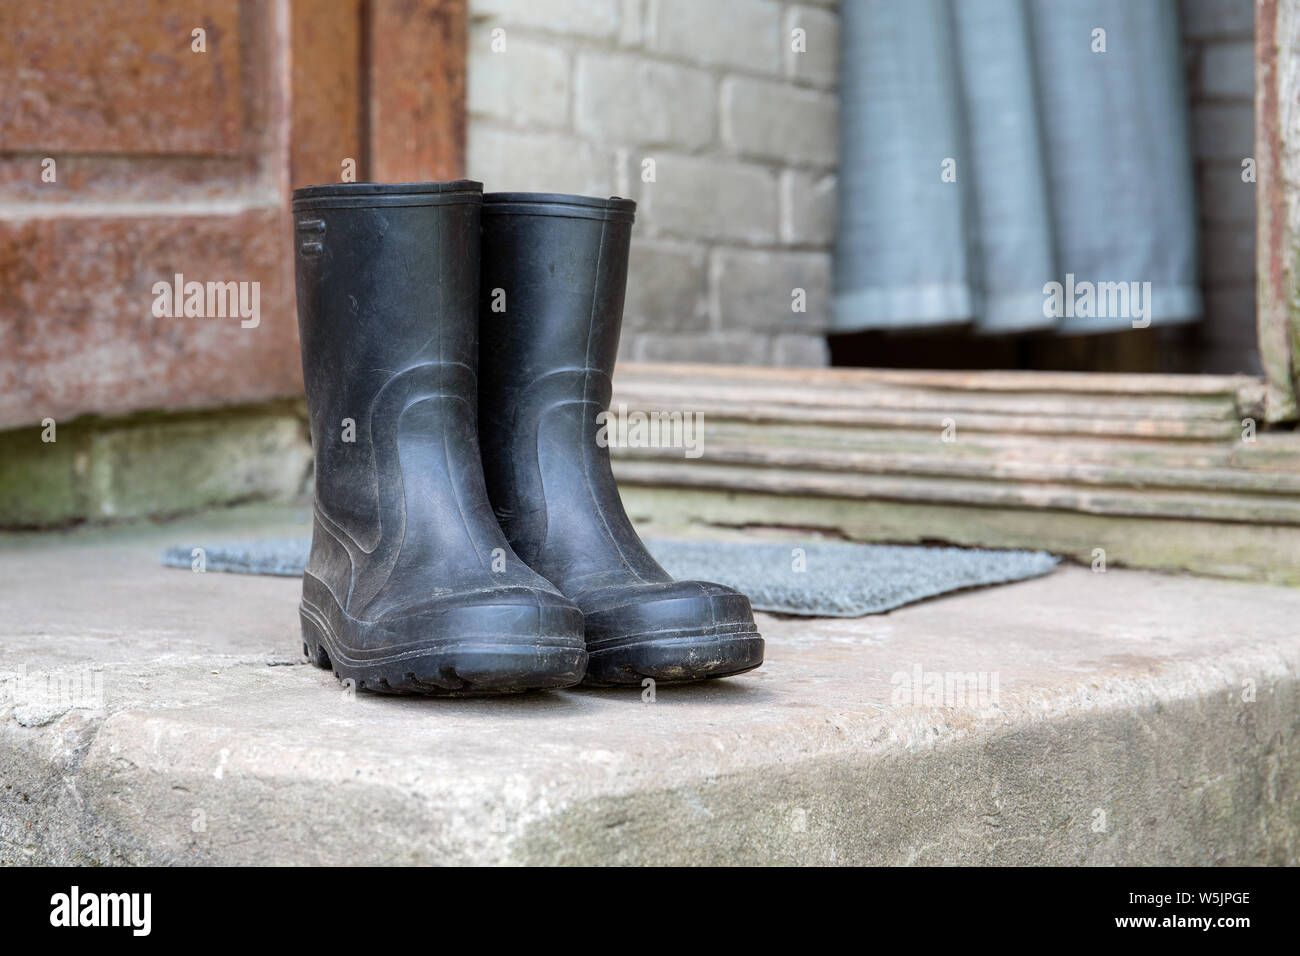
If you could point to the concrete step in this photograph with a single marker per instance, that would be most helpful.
(152, 715)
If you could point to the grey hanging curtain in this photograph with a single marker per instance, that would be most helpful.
(1067, 165)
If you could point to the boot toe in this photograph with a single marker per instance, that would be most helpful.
(672, 632)
(498, 640)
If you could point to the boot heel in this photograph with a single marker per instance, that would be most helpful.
(313, 641)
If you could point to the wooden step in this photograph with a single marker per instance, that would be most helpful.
(1153, 449)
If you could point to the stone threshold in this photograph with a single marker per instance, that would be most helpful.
(1125, 717)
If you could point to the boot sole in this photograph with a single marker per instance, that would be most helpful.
(468, 667)
(673, 658)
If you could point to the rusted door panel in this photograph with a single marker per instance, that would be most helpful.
(168, 160)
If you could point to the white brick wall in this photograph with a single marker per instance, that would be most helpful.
(740, 132)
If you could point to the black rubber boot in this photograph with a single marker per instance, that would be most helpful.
(411, 586)
(551, 304)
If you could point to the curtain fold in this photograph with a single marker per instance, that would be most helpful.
(993, 148)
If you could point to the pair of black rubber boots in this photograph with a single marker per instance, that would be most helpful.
(468, 536)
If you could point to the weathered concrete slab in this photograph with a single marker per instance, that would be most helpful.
(1123, 717)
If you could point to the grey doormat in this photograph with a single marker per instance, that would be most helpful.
(820, 580)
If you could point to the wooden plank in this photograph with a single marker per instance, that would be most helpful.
(1249, 552)
(968, 421)
(1277, 154)
(1083, 383)
(688, 395)
(1277, 450)
(417, 54)
(1203, 506)
(938, 465)
(1263, 455)
(328, 91)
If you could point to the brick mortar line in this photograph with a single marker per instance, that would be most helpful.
(575, 45)
(709, 151)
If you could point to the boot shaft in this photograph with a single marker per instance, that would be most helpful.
(387, 281)
(554, 273)
(387, 277)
